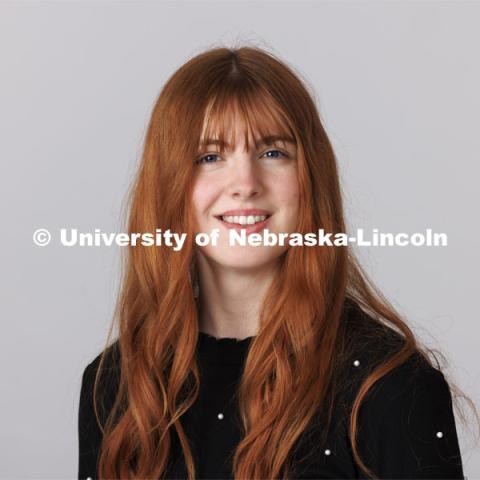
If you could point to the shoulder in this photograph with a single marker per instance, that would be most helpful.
(364, 344)
(110, 366)
(415, 381)
(108, 379)
(111, 360)
(411, 386)
(406, 426)
(368, 337)
(372, 343)
(89, 431)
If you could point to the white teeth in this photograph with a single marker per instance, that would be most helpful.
(244, 220)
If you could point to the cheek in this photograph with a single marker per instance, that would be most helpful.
(203, 195)
(287, 195)
(287, 189)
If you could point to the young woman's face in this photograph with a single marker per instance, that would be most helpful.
(232, 187)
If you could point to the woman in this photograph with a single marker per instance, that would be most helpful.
(254, 362)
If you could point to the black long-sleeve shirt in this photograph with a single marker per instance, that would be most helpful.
(406, 426)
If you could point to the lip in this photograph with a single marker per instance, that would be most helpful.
(245, 212)
(255, 228)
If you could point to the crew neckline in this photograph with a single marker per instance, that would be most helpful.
(224, 339)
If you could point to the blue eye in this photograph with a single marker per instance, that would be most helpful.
(276, 152)
(205, 158)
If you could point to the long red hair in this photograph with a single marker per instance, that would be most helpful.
(290, 365)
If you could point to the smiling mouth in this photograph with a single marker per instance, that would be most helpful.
(243, 220)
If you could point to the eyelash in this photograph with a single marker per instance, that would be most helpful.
(200, 160)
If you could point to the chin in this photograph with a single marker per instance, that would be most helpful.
(247, 258)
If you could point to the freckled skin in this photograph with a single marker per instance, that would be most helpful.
(246, 179)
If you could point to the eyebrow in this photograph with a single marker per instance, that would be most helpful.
(268, 140)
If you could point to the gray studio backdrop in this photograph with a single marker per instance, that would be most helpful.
(397, 90)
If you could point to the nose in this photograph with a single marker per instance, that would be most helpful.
(245, 179)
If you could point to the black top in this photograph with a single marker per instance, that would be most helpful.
(406, 425)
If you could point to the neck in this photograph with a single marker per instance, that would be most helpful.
(230, 298)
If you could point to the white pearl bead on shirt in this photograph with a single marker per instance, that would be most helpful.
(327, 452)
(356, 363)
(439, 434)
(220, 416)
